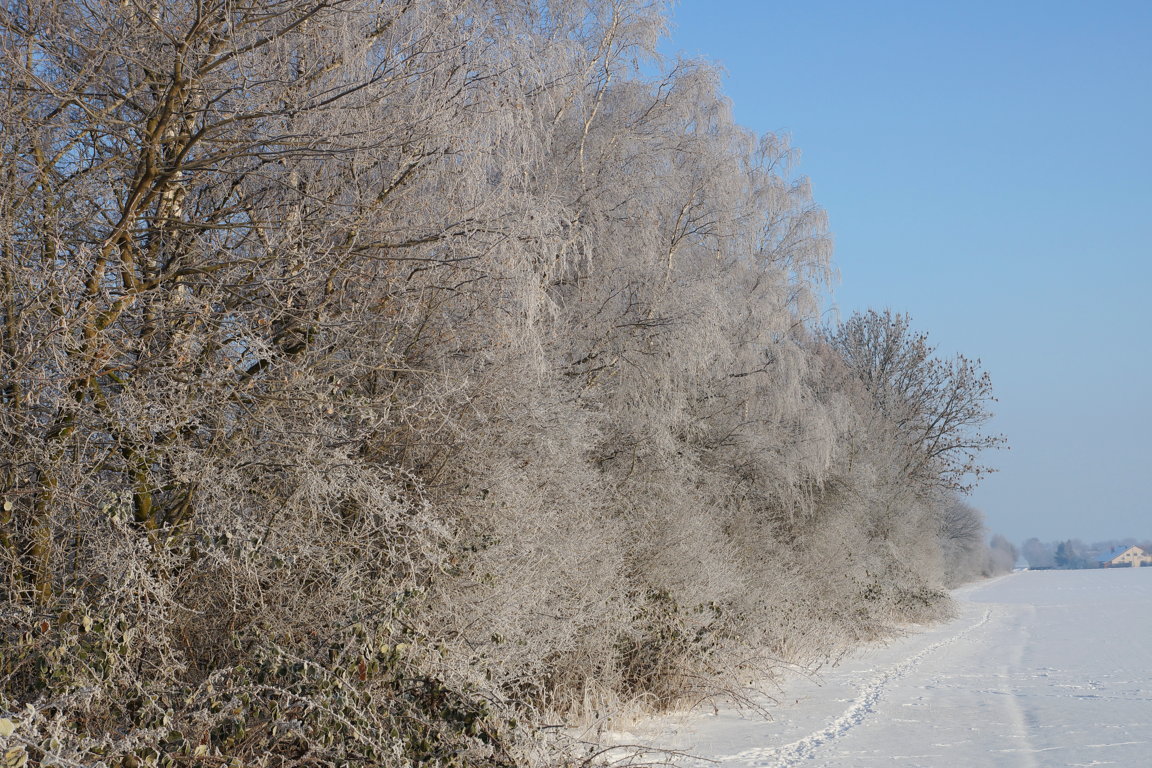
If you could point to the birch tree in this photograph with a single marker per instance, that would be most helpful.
(382, 380)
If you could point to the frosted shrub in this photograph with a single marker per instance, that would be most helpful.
(382, 381)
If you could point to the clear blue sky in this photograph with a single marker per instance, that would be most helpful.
(987, 168)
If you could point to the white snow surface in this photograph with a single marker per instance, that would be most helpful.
(1040, 668)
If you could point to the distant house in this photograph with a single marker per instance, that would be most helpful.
(1125, 556)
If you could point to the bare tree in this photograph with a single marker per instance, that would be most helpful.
(963, 541)
(936, 407)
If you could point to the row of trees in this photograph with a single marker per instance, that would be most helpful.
(380, 381)
(1073, 553)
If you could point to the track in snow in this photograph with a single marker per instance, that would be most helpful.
(860, 710)
(1039, 670)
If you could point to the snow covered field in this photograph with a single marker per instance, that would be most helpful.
(1042, 668)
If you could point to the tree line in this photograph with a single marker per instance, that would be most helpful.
(384, 383)
(1073, 554)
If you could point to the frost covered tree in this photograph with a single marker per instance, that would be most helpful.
(1002, 555)
(381, 380)
(937, 408)
(963, 540)
(1038, 554)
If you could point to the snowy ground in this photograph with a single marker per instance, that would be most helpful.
(1042, 668)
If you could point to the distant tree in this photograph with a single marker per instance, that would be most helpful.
(960, 522)
(1038, 554)
(1072, 554)
(962, 541)
(1002, 555)
(1064, 555)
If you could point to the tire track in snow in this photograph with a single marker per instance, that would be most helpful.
(1016, 716)
(858, 711)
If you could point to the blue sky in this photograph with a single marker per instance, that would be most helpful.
(987, 168)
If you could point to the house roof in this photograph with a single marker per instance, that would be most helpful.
(1115, 553)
